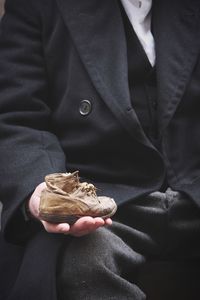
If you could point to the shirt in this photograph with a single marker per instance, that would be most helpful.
(139, 14)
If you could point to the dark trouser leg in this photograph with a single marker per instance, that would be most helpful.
(175, 273)
(96, 267)
(106, 264)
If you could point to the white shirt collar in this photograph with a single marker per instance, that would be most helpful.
(139, 14)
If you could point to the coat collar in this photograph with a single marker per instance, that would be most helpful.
(176, 32)
(97, 30)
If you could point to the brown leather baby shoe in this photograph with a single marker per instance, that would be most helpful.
(66, 199)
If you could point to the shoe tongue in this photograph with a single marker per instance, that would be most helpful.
(62, 182)
(69, 186)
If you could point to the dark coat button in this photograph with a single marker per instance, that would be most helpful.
(85, 107)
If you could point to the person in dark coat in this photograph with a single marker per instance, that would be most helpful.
(109, 88)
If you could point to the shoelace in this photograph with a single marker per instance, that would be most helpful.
(89, 188)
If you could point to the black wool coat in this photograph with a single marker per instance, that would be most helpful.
(54, 54)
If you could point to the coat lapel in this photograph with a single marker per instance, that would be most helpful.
(97, 30)
(176, 31)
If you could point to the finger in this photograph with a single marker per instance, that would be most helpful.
(86, 226)
(82, 224)
(56, 228)
(108, 221)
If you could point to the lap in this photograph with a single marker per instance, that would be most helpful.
(105, 265)
(157, 229)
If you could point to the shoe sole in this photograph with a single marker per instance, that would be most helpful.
(70, 219)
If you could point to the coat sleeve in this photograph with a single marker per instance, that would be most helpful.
(28, 148)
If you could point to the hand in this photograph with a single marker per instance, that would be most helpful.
(82, 226)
